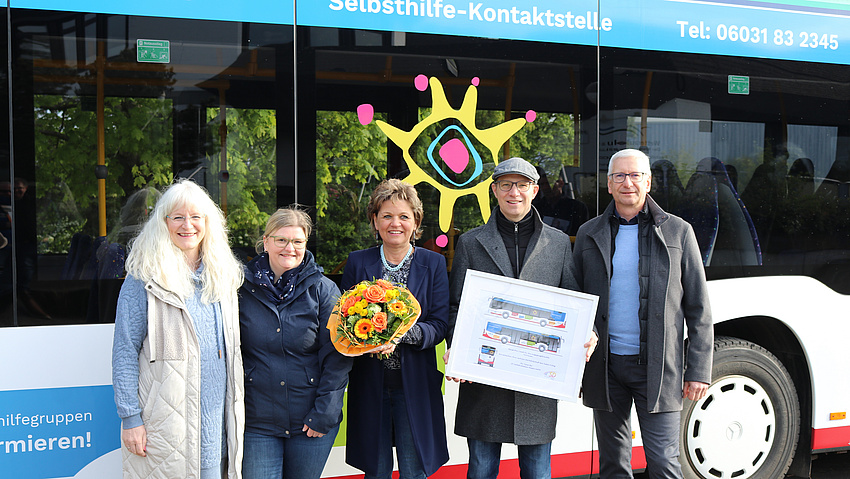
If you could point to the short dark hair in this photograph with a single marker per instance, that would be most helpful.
(392, 190)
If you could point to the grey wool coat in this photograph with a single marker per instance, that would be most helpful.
(677, 295)
(489, 413)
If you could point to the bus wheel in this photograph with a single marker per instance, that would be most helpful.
(544, 323)
(504, 340)
(541, 347)
(505, 314)
(748, 423)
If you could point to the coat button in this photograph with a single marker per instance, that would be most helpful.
(287, 432)
(311, 379)
(283, 383)
(309, 420)
(278, 330)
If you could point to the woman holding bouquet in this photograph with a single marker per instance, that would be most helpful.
(397, 396)
(294, 378)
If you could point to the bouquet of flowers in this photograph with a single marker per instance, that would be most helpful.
(370, 315)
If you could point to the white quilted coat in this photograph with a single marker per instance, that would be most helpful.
(169, 390)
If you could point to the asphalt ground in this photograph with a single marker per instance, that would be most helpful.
(835, 465)
(831, 466)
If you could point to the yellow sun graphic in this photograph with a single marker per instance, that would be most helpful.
(455, 153)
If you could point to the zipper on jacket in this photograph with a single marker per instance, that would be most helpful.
(516, 248)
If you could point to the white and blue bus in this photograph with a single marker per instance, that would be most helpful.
(545, 343)
(513, 310)
(740, 104)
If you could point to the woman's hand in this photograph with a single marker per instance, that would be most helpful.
(386, 349)
(136, 440)
(310, 432)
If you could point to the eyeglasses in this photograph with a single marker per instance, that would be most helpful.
(281, 242)
(522, 186)
(194, 219)
(621, 177)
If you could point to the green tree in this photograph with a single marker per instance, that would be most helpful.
(251, 158)
(138, 151)
(350, 160)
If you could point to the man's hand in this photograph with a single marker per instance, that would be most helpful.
(446, 361)
(590, 346)
(136, 440)
(694, 390)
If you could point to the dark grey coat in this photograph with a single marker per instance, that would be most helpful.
(493, 414)
(677, 295)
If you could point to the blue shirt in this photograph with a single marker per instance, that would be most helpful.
(624, 300)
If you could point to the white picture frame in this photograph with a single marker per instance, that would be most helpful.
(521, 335)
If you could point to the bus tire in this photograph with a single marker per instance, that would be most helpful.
(748, 423)
(504, 340)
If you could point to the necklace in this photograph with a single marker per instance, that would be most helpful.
(397, 267)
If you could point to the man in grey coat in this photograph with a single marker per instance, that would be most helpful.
(514, 243)
(644, 264)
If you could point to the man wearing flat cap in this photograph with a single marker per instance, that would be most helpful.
(514, 243)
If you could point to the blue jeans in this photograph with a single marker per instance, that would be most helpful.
(626, 384)
(295, 457)
(534, 460)
(395, 420)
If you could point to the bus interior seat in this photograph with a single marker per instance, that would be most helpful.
(78, 255)
(667, 189)
(725, 232)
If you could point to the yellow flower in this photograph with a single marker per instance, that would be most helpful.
(363, 328)
(391, 294)
(398, 308)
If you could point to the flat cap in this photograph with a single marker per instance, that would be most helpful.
(516, 166)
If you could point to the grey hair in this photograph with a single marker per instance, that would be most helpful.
(643, 160)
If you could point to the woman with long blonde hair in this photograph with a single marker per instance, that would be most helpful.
(176, 366)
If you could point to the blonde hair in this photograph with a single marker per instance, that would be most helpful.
(290, 216)
(154, 256)
(395, 190)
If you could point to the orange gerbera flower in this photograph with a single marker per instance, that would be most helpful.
(363, 328)
(397, 307)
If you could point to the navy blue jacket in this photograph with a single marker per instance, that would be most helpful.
(293, 374)
(421, 380)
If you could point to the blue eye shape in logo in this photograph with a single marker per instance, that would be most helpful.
(455, 154)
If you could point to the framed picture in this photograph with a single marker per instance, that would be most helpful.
(520, 335)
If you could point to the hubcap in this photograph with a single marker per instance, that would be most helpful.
(731, 430)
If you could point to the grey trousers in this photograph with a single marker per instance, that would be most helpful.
(659, 431)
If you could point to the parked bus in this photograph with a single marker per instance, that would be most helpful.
(741, 106)
(508, 335)
(523, 312)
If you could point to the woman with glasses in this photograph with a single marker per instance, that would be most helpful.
(176, 367)
(294, 378)
(401, 391)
